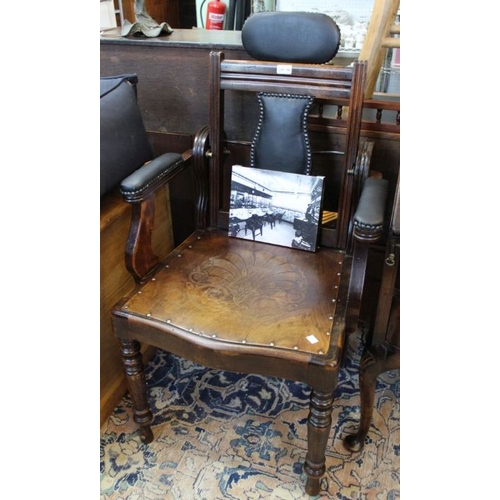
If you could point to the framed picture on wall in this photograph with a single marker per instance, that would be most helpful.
(278, 208)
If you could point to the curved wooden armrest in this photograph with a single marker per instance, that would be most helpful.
(139, 190)
(369, 215)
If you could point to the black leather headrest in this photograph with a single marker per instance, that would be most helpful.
(300, 37)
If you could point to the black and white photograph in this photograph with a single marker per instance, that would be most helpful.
(274, 207)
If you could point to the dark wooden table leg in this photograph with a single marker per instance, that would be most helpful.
(134, 370)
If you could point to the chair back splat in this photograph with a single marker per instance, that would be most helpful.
(272, 149)
(242, 303)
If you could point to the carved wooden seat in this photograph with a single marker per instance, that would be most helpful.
(243, 305)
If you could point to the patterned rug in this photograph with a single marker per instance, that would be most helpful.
(221, 435)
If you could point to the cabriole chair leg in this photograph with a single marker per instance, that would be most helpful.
(376, 360)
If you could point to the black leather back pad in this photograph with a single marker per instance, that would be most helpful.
(281, 141)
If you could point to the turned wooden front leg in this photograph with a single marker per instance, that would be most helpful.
(318, 430)
(134, 370)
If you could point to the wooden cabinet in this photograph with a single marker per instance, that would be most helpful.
(160, 10)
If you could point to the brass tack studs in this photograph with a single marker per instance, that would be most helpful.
(169, 321)
(148, 315)
(153, 279)
(296, 348)
(271, 344)
(320, 352)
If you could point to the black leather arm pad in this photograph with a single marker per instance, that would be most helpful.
(151, 176)
(369, 215)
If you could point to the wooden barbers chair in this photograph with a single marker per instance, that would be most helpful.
(243, 305)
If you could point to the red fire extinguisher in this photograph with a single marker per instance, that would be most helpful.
(216, 12)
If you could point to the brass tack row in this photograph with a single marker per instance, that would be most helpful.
(214, 336)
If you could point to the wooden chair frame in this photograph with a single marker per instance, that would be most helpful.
(338, 265)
